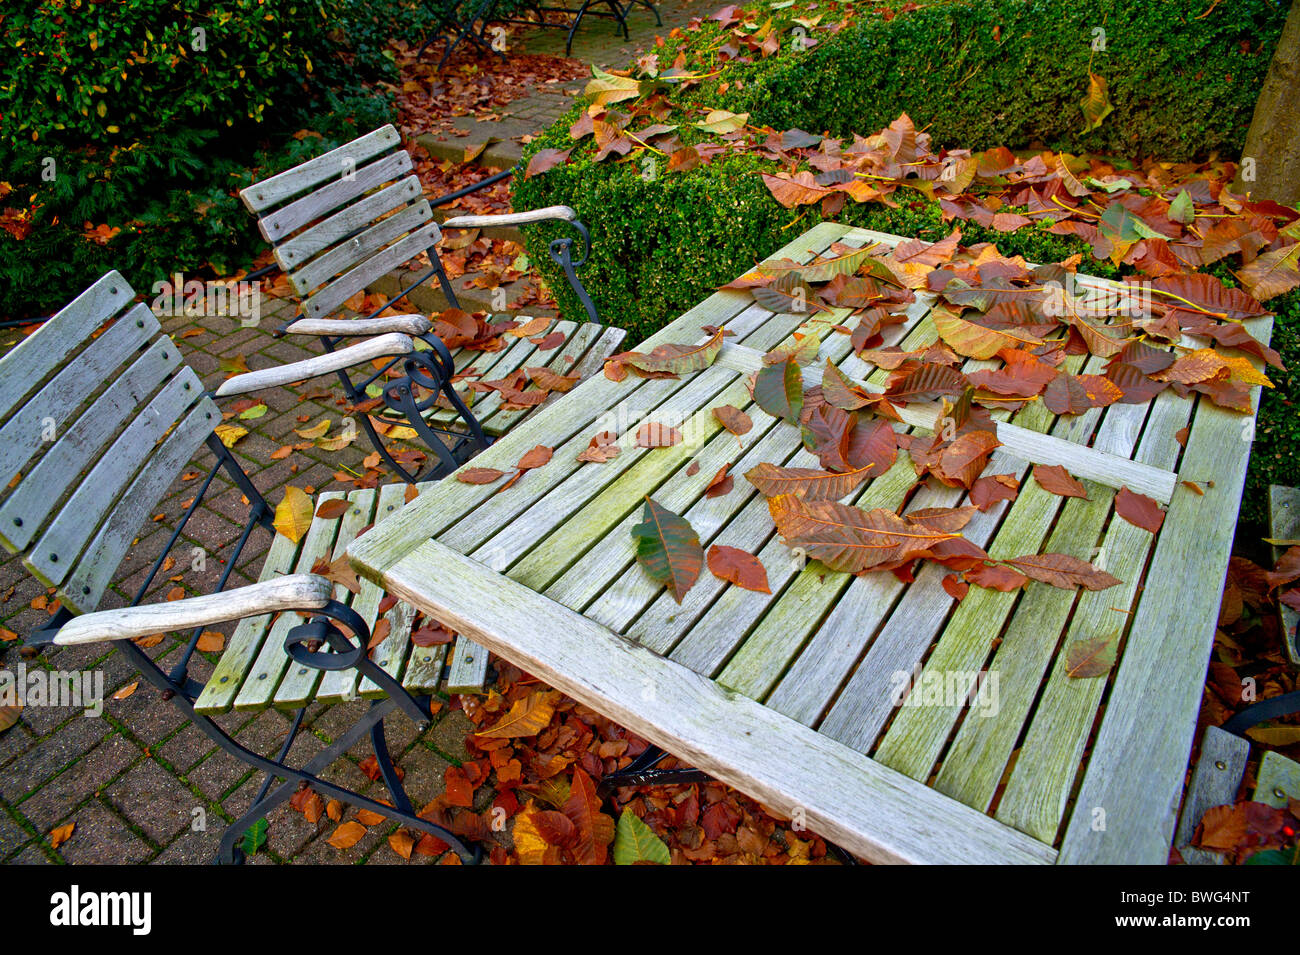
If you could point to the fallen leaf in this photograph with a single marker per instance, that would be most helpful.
(293, 514)
(1139, 510)
(1091, 658)
(738, 567)
(668, 548)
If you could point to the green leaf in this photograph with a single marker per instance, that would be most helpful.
(1096, 105)
(254, 837)
(635, 842)
(1267, 857)
(723, 121)
(778, 390)
(668, 548)
(607, 88)
(1182, 210)
(254, 412)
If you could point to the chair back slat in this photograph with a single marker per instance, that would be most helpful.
(55, 554)
(328, 299)
(95, 568)
(24, 511)
(100, 421)
(292, 254)
(360, 247)
(284, 222)
(31, 362)
(355, 225)
(275, 190)
(43, 417)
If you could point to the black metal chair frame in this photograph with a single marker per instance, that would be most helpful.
(475, 26)
(433, 370)
(302, 644)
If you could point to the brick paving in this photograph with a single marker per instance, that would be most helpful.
(140, 782)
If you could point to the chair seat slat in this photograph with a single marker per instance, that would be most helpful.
(263, 677)
(300, 681)
(246, 642)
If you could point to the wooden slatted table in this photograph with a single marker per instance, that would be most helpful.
(790, 697)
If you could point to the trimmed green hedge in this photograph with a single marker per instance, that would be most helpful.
(984, 73)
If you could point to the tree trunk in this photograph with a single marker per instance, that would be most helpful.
(1273, 141)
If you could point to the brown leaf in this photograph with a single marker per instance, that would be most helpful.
(996, 577)
(368, 818)
(211, 641)
(526, 717)
(402, 842)
(653, 434)
(1139, 510)
(126, 691)
(1062, 570)
(1056, 480)
(1090, 658)
(61, 834)
(329, 510)
(595, 830)
(733, 419)
(738, 567)
(535, 458)
(987, 491)
(479, 475)
(807, 483)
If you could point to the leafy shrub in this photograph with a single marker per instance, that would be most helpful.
(126, 133)
(985, 73)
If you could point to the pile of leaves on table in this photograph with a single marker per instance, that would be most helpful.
(985, 307)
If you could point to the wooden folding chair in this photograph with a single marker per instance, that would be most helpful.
(98, 417)
(341, 221)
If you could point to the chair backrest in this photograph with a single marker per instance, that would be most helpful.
(95, 425)
(344, 219)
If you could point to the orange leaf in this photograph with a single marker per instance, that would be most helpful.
(738, 567)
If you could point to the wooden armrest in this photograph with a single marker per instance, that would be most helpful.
(511, 218)
(413, 325)
(290, 592)
(382, 346)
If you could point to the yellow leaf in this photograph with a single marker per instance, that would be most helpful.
(530, 847)
(228, 434)
(293, 514)
(527, 717)
(315, 431)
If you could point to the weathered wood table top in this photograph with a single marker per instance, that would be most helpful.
(791, 697)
